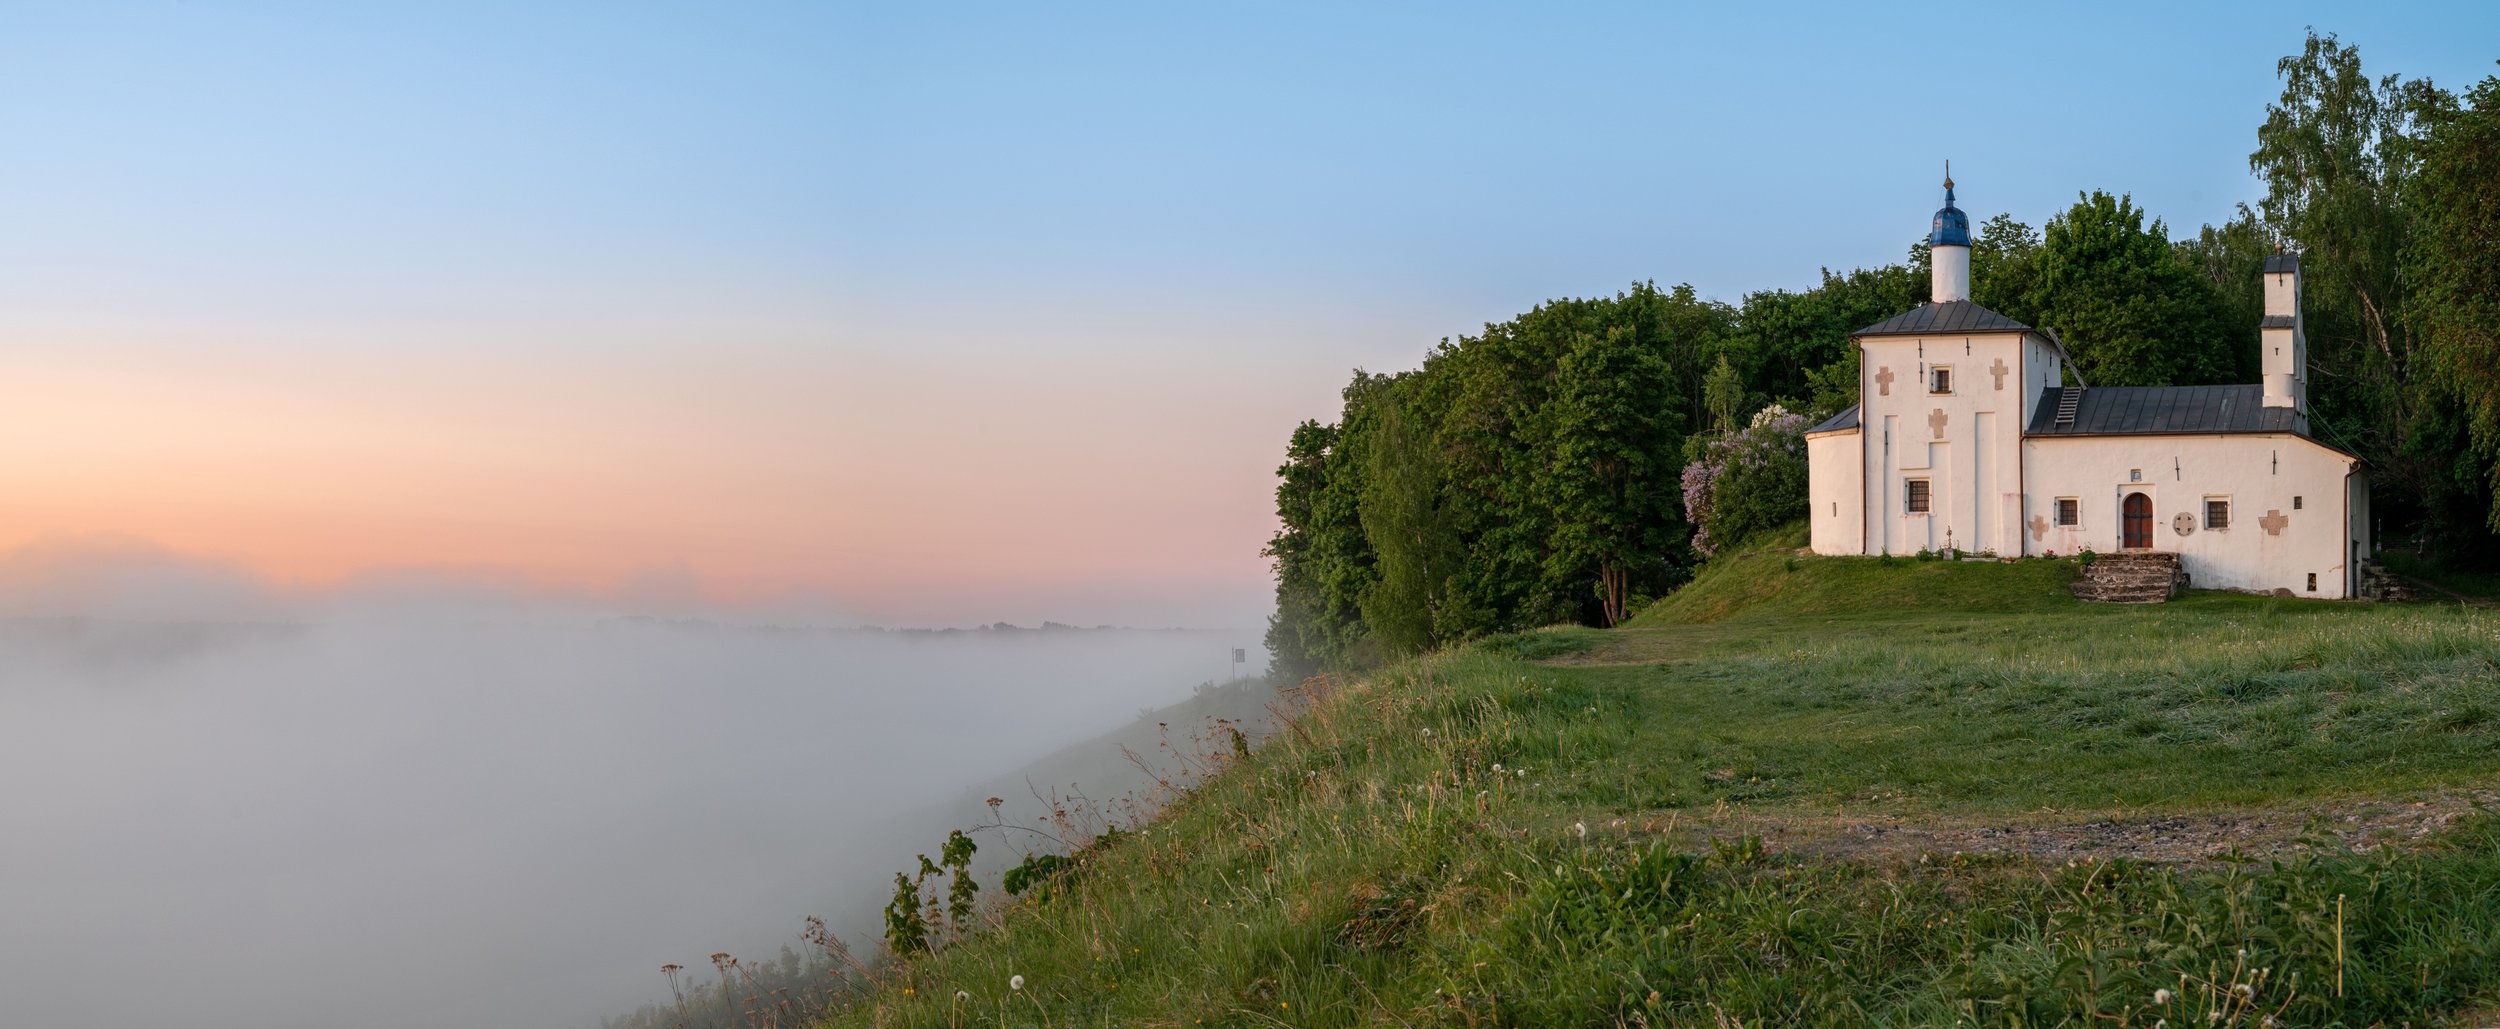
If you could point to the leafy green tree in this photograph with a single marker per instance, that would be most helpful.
(1414, 551)
(1296, 641)
(1614, 444)
(2454, 262)
(1323, 563)
(2129, 311)
(2004, 262)
(1723, 391)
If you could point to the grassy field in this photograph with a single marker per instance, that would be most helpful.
(1809, 791)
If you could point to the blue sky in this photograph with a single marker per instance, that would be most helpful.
(994, 234)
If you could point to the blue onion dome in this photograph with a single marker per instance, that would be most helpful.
(1952, 228)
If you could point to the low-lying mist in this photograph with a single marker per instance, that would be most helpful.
(424, 816)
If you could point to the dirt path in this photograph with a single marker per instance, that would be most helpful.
(2363, 824)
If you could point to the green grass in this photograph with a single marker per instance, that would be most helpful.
(1565, 827)
(1777, 583)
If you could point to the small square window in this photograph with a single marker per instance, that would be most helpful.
(1940, 380)
(2295, 503)
(2069, 511)
(2217, 513)
(2135, 475)
(1915, 493)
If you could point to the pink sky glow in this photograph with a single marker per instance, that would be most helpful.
(840, 483)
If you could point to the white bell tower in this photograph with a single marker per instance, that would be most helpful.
(2283, 340)
(1948, 248)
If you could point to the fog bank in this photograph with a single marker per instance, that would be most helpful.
(422, 817)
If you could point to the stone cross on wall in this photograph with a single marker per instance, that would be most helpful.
(2039, 528)
(1936, 420)
(1883, 380)
(1999, 369)
(2273, 522)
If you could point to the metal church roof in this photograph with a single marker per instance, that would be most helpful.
(1844, 420)
(2146, 410)
(2282, 263)
(1946, 318)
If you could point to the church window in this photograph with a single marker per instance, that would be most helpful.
(1914, 491)
(2313, 582)
(2295, 503)
(2135, 475)
(1940, 380)
(2069, 511)
(2217, 512)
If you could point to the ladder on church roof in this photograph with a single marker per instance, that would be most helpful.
(2067, 400)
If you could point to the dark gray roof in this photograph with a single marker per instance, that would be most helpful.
(1844, 420)
(2282, 263)
(1950, 317)
(2275, 321)
(2120, 410)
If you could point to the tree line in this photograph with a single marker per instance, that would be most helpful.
(1541, 470)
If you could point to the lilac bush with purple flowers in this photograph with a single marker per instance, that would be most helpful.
(1749, 482)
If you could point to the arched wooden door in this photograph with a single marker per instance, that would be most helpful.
(2139, 522)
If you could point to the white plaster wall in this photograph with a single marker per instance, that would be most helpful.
(1948, 273)
(2259, 474)
(1975, 481)
(2283, 293)
(1834, 492)
(2042, 370)
(2284, 358)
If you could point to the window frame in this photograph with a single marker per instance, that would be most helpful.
(2213, 503)
(2068, 512)
(1918, 496)
(1934, 371)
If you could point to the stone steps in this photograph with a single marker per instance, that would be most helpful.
(2377, 583)
(2132, 578)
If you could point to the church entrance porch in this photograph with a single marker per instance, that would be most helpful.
(2138, 534)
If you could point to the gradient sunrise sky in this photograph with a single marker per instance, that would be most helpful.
(943, 314)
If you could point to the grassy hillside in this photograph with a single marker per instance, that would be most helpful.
(1770, 584)
(1817, 792)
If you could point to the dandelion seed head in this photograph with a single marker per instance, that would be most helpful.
(2161, 996)
(1015, 982)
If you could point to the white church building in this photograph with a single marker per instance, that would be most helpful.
(1973, 432)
